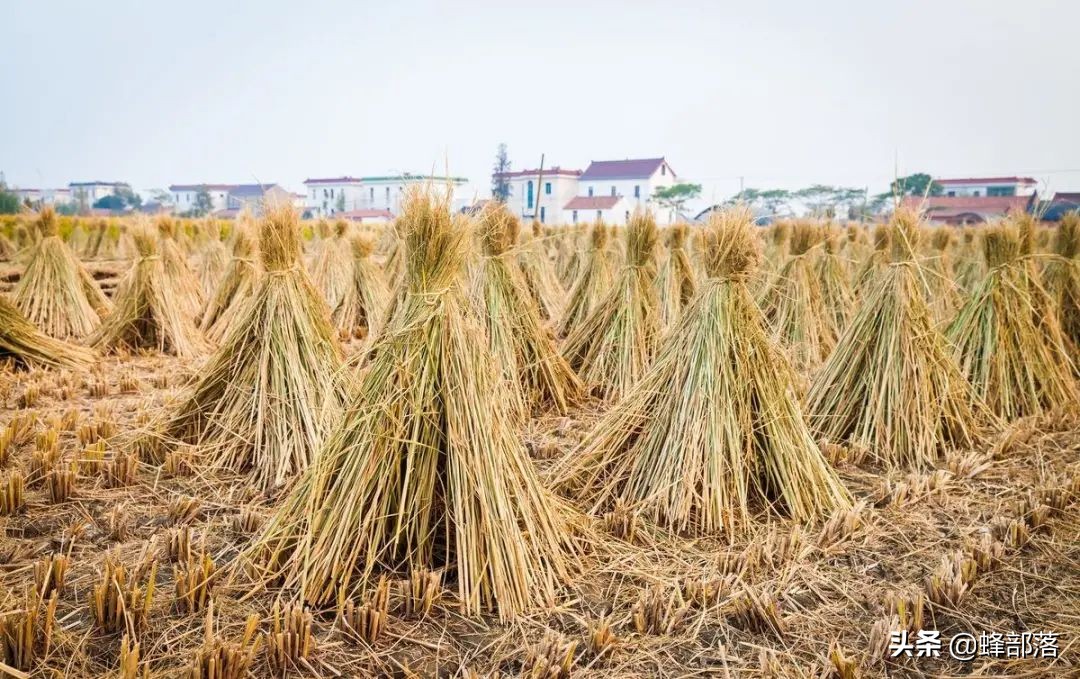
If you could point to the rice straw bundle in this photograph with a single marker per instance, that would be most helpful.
(833, 273)
(540, 279)
(237, 285)
(613, 346)
(942, 290)
(676, 281)
(266, 398)
(332, 269)
(425, 471)
(592, 282)
(569, 261)
(535, 373)
(184, 281)
(55, 292)
(148, 313)
(28, 347)
(1063, 281)
(969, 268)
(364, 300)
(891, 383)
(1007, 337)
(213, 259)
(793, 304)
(878, 258)
(715, 425)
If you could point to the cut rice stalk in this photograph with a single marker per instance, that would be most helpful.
(715, 425)
(591, 284)
(55, 292)
(891, 384)
(363, 302)
(676, 282)
(266, 398)
(426, 470)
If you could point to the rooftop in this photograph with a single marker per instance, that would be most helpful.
(556, 170)
(98, 183)
(592, 202)
(407, 176)
(986, 180)
(639, 168)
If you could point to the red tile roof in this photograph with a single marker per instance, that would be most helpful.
(987, 180)
(639, 168)
(333, 180)
(547, 171)
(592, 202)
(365, 214)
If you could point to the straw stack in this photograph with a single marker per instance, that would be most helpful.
(266, 398)
(676, 281)
(541, 281)
(55, 292)
(536, 375)
(28, 347)
(714, 429)
(892, 385)
(426, 470)
(1007, 337)
(364, 299)
(148, 312)
(613, 346)
(332, 268)
(592, 282)
(237, 285)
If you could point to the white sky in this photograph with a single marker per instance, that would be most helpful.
(783, 93)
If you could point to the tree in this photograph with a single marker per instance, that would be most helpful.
(770, 199)
(161, 196)
(9, 201)
(919, 184)
(130, 198)
(112, 202)
(203, 203)
(676, 195)
(500, 184)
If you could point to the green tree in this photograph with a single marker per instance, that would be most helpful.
(9, 201)
(112, 202)
(919, 184)
(203, 203)
(676, 195)
(500, 184)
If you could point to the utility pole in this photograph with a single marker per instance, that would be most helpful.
(539, 187)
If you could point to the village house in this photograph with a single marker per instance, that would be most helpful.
(227, 200)
(974, 200)
(88, 193)
(610, 190)
(327, 197)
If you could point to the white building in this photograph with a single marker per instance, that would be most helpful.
(88, 193)
(38, 197)
(629, 182)
(185, 196)
(608, 189)
(227, 198)
(541, 195)
(976, 187)
(330, 196)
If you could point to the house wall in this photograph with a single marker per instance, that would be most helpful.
(184, 200)
(322, 198)
(982, 188)
(616, 214)
(626, 188)
(563, 189)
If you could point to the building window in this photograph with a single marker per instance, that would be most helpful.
(613, 190)
(599, 215)
(387, 196)
(663, 169)
(976, 193)
(325, 194)
(371, 195)
(627, 216)
(1000, 190)
(590, 192)
(573, 215)
(542, 213)
(547, 188)
(951, 194)
(637, 191)
(529, 194)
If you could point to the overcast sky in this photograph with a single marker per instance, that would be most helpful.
(783, 94)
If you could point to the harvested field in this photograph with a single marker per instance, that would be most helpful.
(128, 551)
